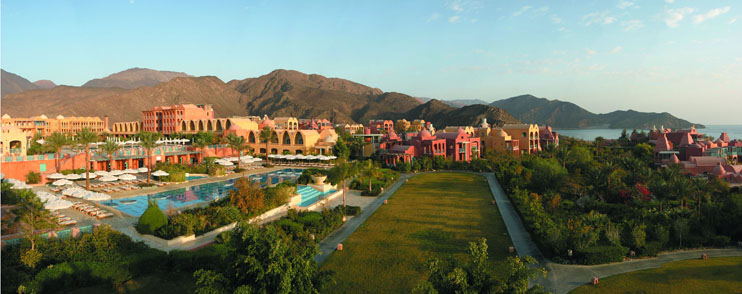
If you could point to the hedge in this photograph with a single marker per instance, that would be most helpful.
(602, 254)
(33, 177)
(151, 220)
(72, 275)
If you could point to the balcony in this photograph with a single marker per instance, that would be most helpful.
(15, 150)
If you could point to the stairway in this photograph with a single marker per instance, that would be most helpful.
(308, 194)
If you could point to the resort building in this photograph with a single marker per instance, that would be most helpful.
(286, 123)
(458, 146)
(13, 141)
(380, 126)
(351, 128)
(66, 125)
(315, 124)
(548, 137)
(167, 119)
(687, 144)
(526, 134)
(126, 128)
(500, 141)
(285, 141)
(469, 130)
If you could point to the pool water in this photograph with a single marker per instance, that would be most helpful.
(310, 195)
(177, 198)
(191, 178)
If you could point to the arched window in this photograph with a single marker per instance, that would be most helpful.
(210, 125)
(251, 138)
(299, 139)
(219, 125)
(228, 124)
(193, 126)
(275, 138)
(286, 139)
(201, 125)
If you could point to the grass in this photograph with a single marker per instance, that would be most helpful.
(433, 215)
(715, 275)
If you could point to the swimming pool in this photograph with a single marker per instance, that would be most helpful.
(310, 195)
(177, 198)
(191, 178)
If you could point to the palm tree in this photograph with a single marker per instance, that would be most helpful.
(562, 153)
(30, 215)
(598, 141)
(236, 143)
(110, 148)
(370, 170)
(148, 141)
(74, 146)
(267, 135)
(86, 137)
(702, 191)
(55, 142)
(340, 173)
(203, 140)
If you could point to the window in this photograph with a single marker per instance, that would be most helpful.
(42, 167)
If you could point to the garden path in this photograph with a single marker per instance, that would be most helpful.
(563, 278)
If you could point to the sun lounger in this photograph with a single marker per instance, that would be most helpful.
(104, 214)
(68, 223)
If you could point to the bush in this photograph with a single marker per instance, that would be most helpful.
(175, 176)
(223, 237)
(144, 185)
(238, 170)
(651, 249)
(602, 254)
(152, 219)
(719, 241)
(72, 275)
(72, 171)
(217, 171)
(349, 210)
(33, 177)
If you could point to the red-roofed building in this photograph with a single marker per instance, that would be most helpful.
(460, 146)
(380, 126)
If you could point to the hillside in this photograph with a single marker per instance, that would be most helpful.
(441, 114)
(45, 84)
(455, 102)
(567, 115)
(13, 83)
(134, 78)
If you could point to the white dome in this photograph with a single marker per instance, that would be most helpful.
(60, 117)
(329, 139)
(6, 116)
(43, 116)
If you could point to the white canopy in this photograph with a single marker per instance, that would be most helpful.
(289, 157)
(272, 155)
(160, 173)
(301, 157)
(80, 193)
(101, 173)
(116, 172)
(97, 197)
(55, 176)
(69, 191)
(90, 175)
(142, 169)
(131, 171)
(108, 178)
(61, 182)
(127, 177)
(245, 157)
(72, 177)
(46, 196)
(226, 163)
(58, 204)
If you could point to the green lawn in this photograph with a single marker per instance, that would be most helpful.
(433, 215)
(715, 275)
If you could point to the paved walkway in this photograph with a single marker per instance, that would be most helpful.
(329, 244)
(563, 278)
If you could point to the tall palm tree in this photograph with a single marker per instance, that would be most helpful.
(55, 142)
(86, 137)
(562, 153)
(370, 170)
(203, 140)
(110, 148)
(598, 142)
(267, 135)
(148, 141)
(702, 191)
(75, 146)
(236, 143)
(340, 173)
(30, 215)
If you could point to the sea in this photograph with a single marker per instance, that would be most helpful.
(734, 132)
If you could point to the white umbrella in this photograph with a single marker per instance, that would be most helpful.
(130, 171)
(116, 172)
(245, 157)
(142, 169)
(160, 173)
(257, 159)
(62, 182)
(127, 177)
(97, 197)
(69, 191)
(312, 157)
(90, 175)
(80, 193)
(45, 196)
(289, 157)
(272, 155)
(41, 141)
(226, 163)
(332, 157)
(58, 204)
(101, 173)
(108, 178)
(55, 176)
(301, 157)
(72, 177)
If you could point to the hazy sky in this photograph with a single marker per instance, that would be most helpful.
(684, 57)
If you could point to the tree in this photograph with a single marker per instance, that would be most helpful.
(148, 141)
(152, 219)
(203, 140)
(55, 142)
(247, 196)
(30, 215)
(86, 137)
(563, 153)
(236, 143)
(110, 148)
(267, 135)
(598, 142)
(340, 173)
(341, 149)
(370, 170)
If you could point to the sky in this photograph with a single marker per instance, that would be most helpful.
(683, 57)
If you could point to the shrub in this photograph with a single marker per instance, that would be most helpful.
(144, 185)
(223, 237)
(33, 177)
(72, 171)
(175, 176)
(349, 210)
(72, 275)
(651, 249)
(217, 171)
(152, 219)
(719, 241)
(602, 254)
(238, 170)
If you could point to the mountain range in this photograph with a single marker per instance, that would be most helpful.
(279, 93)
(567, 115)
(122, 96)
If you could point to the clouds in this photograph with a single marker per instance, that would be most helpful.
(626, 4)
(617, 49)
(454, 19)
(699, 18)
(631, 25)
(522, 10)
(673, 16)
(598, 18)
(733, 20)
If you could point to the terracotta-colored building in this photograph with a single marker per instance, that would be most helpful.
(167, 119)
(526, 134)
(66, 125)
(500, 141)
(126, 128)
(315, 124)
(286, 123)
(380, 126)
(13, 141)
